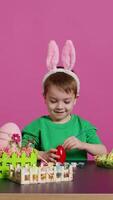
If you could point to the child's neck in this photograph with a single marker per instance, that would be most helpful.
(62, 121)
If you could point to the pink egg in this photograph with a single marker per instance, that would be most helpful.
(6, 132)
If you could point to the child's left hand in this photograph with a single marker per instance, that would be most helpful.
(72, 143)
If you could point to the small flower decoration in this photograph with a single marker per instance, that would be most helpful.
(27, 150)
(15, 138)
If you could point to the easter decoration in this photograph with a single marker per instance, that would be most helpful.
(19, 164)
(105, 160)
(61, 152)
(11, 152)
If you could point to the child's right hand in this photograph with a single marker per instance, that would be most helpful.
(49, 156)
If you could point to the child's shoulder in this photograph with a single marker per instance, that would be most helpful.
(83, 122)
(38, 120)
(80, 119)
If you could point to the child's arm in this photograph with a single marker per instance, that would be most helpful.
(94, 149)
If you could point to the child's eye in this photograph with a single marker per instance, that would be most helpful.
(66, 102)
(52, 101)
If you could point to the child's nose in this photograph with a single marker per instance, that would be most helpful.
(60, 105)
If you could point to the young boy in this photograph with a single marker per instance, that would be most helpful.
(61, 89)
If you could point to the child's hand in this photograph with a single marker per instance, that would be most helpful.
(49, 156)
(72, 143)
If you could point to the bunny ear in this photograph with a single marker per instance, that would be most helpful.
(68, 55)
(53, 55)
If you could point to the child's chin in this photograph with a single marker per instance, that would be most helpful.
(60, 118)
(60, 115)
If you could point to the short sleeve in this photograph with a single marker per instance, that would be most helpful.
(30, 134)
(91, 133)
(92, 137)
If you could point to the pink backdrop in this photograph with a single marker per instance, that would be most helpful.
(26, 26)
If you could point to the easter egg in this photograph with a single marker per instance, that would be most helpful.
(61, 152)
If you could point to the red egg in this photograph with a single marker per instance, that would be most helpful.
(61, 152)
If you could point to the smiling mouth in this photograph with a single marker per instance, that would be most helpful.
(59, 112)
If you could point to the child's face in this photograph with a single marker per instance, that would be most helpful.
(59, 104)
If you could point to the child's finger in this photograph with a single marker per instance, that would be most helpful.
(70, 139)
(54, 156)
(52, 160)
(66, 145)
(69, 145)
(53, 150)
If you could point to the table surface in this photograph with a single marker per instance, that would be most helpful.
(89, 179)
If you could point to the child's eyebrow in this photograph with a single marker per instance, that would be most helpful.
(69, 98)
(52, 97)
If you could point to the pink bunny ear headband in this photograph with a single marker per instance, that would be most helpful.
(68, 60)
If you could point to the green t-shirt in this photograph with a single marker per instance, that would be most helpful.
(44, 134)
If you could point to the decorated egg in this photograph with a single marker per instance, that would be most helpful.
(6, 132)
(61, 152)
